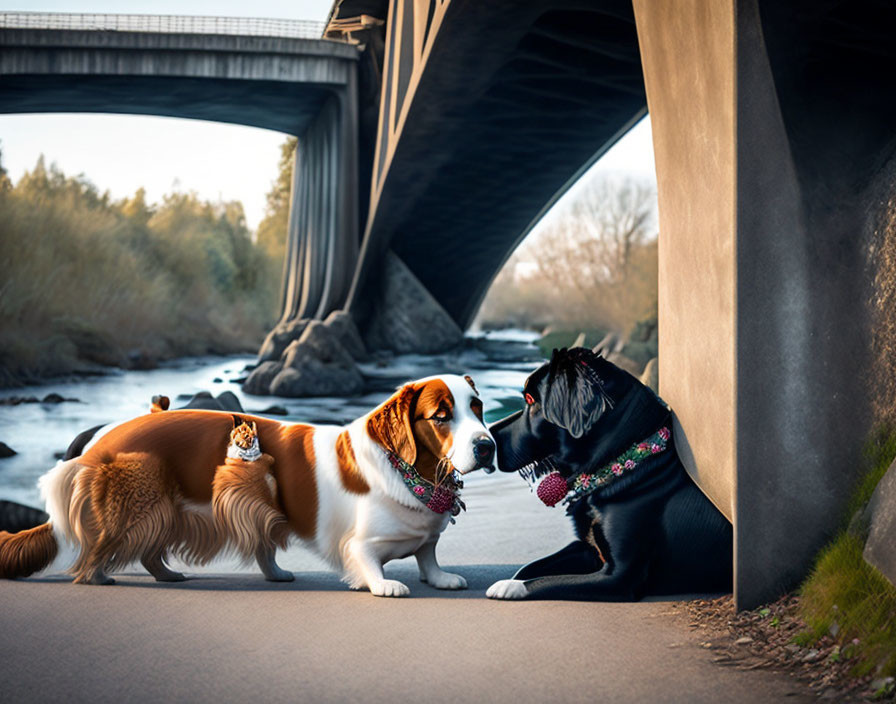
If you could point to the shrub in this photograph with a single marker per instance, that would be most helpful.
(91, 280)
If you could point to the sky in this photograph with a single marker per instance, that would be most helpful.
(121, 153)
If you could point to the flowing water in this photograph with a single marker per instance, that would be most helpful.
(40, 432)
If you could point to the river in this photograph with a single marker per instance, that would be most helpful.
(39, 432)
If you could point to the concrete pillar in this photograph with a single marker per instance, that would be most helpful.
(322, 234)
(690, 96)
(761, 335)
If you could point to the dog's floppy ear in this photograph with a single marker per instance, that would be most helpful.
(390, 425)
(572, 394)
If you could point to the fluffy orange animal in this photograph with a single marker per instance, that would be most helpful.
(243, 502)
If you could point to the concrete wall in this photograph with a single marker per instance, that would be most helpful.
(768, 166)
(798, 452)
(690, 96)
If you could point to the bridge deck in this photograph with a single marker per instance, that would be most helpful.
(276, 83)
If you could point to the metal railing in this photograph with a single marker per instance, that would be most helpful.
(170, 24)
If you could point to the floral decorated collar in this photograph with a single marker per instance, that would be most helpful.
(555, 488)
(438, 498)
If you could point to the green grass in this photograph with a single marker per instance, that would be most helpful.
(845, 590)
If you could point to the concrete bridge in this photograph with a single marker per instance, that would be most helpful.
(774, 153)
(272, 74)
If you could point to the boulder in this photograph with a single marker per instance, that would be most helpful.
(270, 411)
(317, 341)
(56, 398)
(343, 327)
(16, 400)
(317, 364)
(643, 331)
(880, 548)
(406, 318)
(650, 377)
(610, 344)
(320, 362)
(225, 401)
(279, 338)
(640, 352)
(17, 517)
(259, 381)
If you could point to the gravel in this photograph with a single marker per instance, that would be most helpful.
(763, 639)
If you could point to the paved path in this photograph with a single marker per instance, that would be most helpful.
(235, 638)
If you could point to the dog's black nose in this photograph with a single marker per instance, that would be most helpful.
(483, 451)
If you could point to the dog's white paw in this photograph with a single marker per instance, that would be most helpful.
(389, 587)
(507, 589)
(445, 580)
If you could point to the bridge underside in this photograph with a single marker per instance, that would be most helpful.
(516, 99)
(270, 105)
(269, 82)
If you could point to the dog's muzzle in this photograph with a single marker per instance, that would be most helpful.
(484, 454)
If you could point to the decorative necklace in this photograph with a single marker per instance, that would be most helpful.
(438, 498)
(555, 488)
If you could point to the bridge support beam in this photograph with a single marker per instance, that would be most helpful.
(767, 176)
(323, 231)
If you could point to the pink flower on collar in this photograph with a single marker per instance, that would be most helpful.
(629, 464)
(617, 468)
(419, 490)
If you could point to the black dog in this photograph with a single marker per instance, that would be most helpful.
(592, 433)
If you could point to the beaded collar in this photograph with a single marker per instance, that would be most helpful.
(438, 498)
(554, 488)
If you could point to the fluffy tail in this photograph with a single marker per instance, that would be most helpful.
(27, 552)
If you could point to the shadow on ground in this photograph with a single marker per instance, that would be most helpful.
(479, 578)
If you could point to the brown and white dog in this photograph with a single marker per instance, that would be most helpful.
(144, 488)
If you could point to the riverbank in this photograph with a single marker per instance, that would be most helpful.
(91, 282)
(39, 432)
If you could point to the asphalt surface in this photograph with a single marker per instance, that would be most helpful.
(236, 638)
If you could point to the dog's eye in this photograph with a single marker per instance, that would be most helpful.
(441, 416)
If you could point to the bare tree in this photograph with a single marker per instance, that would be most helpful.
(592, 265)
(596, 260)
